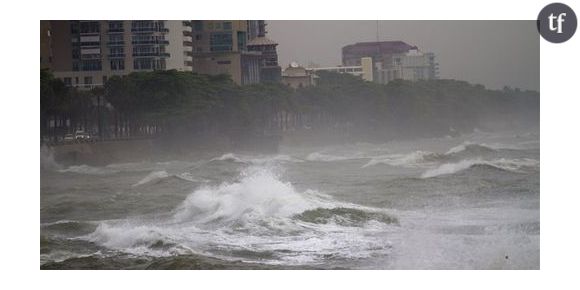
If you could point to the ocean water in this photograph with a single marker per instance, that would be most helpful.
(468, 202)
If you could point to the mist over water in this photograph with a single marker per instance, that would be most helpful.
(466, 202)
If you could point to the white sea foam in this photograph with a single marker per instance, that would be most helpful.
(256, 159)
(228, 157)
(318, 156)
(258, 193)
(88, 170)
(256, 213)
(413, 159)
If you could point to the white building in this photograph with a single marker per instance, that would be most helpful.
(412, 65)
(365, 70)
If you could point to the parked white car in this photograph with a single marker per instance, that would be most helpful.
(82, 136)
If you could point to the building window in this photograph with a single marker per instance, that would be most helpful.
(210, 26)
(76, 53)
(148, 50)
(148, 26)
(90, 27)
(198, 25)
(116, 51)
(116, 26)
(241, 40)
(76, 80)
(227, 25)
(67, 82)
(224, 62)
(149, 39)
(104, 79)
(74, 27)
(116, 39)
(221, 41)
(149, 64)
(198, 37)
(88, 80)
(117, 64)
(90, 65)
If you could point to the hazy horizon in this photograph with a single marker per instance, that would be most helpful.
(492, 53)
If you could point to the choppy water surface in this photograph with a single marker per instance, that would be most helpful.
(470, 202)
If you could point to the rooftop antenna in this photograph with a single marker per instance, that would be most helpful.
(377, 30)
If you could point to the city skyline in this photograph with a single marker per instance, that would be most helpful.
(492, 53)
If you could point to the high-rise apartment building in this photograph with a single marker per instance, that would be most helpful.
(270, 71)
(220, 47)
(86, 53)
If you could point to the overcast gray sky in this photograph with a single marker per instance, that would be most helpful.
(492, 53)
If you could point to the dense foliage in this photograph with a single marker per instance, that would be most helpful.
(172, 103)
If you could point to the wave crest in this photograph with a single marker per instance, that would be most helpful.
(257, 214)
(510, 165)
(413, 159)
(345, 216)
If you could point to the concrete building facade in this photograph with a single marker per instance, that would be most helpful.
(86, 53)
(413, 65)
(270, 71)
(297, 76)
(392, 60)
(220, 47)
(364, 70)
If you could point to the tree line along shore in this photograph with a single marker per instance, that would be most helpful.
(179, 105)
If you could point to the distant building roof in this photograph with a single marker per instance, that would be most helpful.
(261, 40)
(383, 47)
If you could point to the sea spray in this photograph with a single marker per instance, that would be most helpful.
(47, 159)
(259, 213)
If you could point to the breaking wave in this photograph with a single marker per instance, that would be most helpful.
(510, 165)
(157, 176)
(228, 157)
(483, 148)
(257, 214)
(151, 177)
(413, 159)
(258, 160)
(426, 158)
(323, 157)
(89, 170)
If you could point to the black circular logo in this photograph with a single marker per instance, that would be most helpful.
(557, 22)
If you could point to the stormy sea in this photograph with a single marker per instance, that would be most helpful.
(465, 202)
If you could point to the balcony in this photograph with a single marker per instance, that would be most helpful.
(150, 54)
(161, 42)
(117, 55)
(149, 29)
(116, 30)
